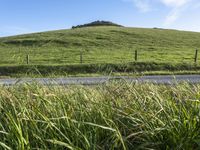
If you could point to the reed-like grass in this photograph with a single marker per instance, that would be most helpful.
(113, 116)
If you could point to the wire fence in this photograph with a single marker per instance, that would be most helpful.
(62, 56)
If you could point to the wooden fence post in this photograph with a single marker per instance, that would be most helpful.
(81, 57)
(136, 55)
(27, 59)
(196, 56)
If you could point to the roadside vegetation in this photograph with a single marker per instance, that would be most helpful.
(117, 115)
(135, 68)
(101, 45)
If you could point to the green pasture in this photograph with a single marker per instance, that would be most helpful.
(100, 45)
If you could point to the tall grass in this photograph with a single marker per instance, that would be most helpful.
(114, 116)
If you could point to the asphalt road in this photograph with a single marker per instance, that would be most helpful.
(167, 79)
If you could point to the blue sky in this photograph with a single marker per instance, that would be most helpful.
(27, 16)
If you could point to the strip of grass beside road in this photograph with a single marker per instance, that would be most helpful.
(136, 68)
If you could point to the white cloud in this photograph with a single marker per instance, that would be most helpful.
(142, 5)
(172, 17)
(177, 8)
(174, 3)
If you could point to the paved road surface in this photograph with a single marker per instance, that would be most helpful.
(168, 79)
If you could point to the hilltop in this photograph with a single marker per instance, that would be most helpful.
(97, 23)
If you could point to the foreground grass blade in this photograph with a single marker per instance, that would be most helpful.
(114, 116)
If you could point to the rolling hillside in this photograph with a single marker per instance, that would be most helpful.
(104, 49)
(100, 45)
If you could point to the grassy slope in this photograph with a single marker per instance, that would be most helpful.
(100, 45)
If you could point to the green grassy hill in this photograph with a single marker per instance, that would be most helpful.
(100, 45)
